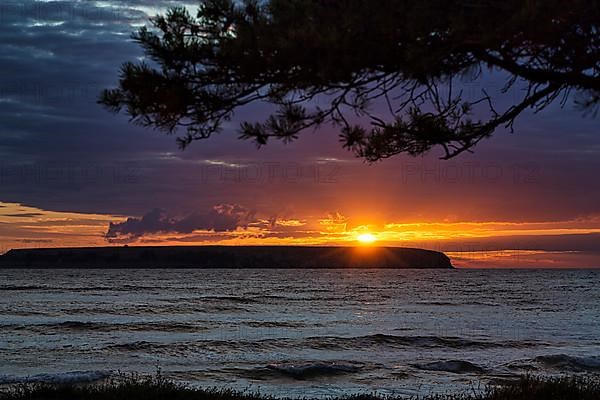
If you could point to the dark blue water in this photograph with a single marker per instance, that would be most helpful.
(300, 332)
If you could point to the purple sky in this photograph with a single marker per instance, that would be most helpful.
(62, 153)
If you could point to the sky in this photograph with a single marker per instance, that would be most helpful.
(73, 174)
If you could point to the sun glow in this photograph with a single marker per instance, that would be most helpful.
(366, 238)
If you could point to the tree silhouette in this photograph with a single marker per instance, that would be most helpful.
(328, 61)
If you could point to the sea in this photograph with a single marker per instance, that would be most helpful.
(297, 332)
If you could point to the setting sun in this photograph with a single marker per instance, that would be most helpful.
(366, 238)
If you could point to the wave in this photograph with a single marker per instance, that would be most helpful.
(213, 346)
(21, 287)
(231, 299)
(274, 324)
(331, 343)
(569, 363)
(369, 341)
(437, 303)
(67, 289)
(84, 326)
(313, 370)
(134, 346)
(58, 378)
(458, 304)
(453, 366)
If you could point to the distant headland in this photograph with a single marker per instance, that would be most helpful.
(225, 257)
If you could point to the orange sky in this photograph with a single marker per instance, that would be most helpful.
(469, 244)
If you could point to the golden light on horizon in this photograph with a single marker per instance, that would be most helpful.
(366, 238)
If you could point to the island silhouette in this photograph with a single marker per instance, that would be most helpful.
(225, 257)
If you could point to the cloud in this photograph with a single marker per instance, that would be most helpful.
(221, 218)
(23, 215)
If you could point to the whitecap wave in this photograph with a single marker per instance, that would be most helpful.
(569, 363)
(453, 366)
(313, 370)
(57, 378)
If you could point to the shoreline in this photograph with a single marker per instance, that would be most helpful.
(157, 387)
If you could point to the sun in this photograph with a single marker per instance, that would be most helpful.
(366, 238)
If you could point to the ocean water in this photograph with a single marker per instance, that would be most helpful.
(300, 332)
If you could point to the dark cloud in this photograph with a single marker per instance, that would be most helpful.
(23, 215)
(221, 218)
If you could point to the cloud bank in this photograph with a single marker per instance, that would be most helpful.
(221, 218)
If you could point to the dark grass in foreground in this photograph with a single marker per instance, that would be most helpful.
(159, 388)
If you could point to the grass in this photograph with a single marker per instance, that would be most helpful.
(159, 388)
